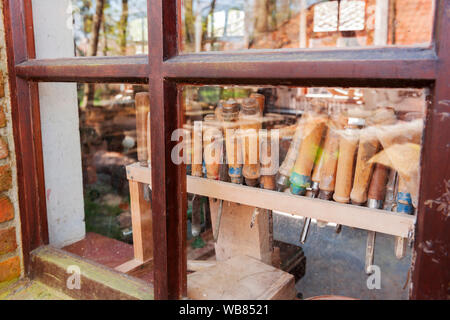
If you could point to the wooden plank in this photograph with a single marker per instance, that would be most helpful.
(86, 69)
(241, 278)
(128, 266)
(236, 237)
(350, 215)
(431, 269)
(133, 265)
(197, 265)
(141, 218)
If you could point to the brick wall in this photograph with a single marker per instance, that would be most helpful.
(10, 251)
(414, 21)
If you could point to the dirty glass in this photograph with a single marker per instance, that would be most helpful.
(92, 27)
(222, 25)
(91, 134)
(352, 147)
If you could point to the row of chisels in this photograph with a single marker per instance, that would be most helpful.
(333, 155)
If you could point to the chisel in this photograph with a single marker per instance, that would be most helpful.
(250, 124)
(300, 178)
(329, 165)
(404, 205)
(212, 139)
(376, 195)
(288, 164)
(230, 115)
(312, 193)
(301, 174)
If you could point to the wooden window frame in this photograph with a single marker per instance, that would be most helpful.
(166, 70)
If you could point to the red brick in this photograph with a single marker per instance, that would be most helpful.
(6, 209)
(10, 269)
(4, 151)
(8, 241)
(2, 117)
(5, 178)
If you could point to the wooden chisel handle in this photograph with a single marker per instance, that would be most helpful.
(368, 146)
(197, 149)
(267, 180)
(301, 175)
(329, 166)
(348, 142)
(289, 161)
(212, 150)
(142, 100)
(377, 189)
(250, 120)
(260, 99)
(233, 148)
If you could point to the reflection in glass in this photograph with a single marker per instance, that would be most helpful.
(108, 142)
(109, 27)
(354, 116)
(221, 25)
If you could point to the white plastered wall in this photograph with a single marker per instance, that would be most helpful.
(60, 126)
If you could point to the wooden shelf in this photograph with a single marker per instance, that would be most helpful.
(382, 221)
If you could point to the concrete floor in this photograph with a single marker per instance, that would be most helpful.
(31, 290)
(335, 262)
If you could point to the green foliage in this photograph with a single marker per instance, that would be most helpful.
(99, 217)
(198, 243)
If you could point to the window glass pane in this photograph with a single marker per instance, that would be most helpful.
(250, 151)
(91, 27)
(222, 25)
(352, 15)
(326, 16)
(91, 133)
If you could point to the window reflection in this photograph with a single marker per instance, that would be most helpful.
(221, 25)
(109, 27)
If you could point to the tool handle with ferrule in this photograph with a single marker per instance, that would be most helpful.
(301, 175)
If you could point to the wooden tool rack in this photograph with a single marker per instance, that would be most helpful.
(392, 223)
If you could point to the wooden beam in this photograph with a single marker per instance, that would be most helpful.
(344, 67)
(86, 69)
(141, 218)
(431, 269)
(18, 21)
(350, 215)
(169, 197)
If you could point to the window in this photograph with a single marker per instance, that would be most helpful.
(166, 71)
(350, 15)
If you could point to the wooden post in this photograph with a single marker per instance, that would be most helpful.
(236, 237)
(141, 217)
